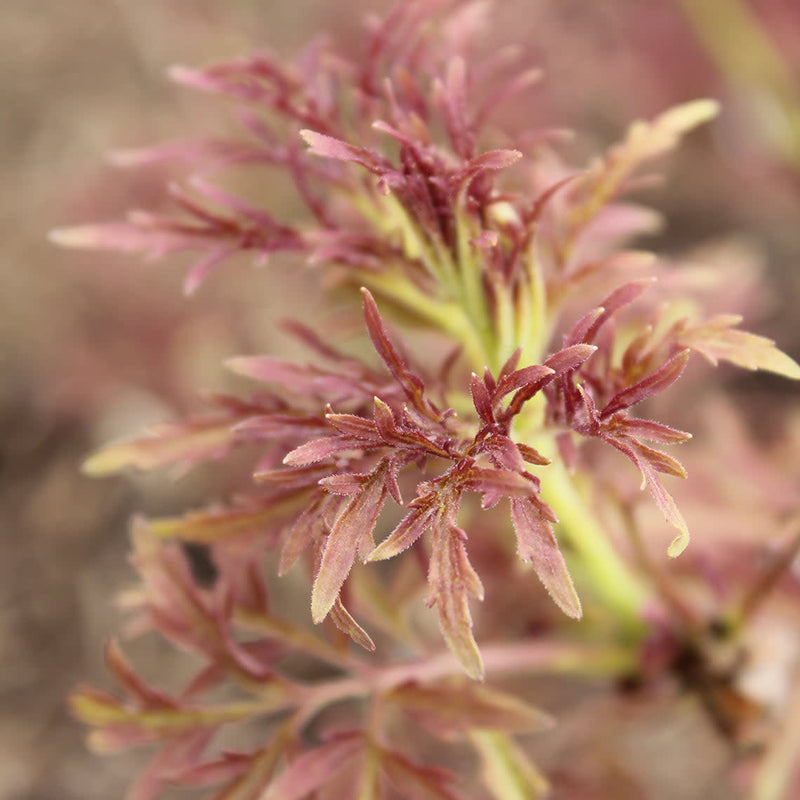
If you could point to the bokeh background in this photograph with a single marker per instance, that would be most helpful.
(93, 346)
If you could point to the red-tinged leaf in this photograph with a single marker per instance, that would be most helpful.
(201, 269)
(302, 379)
(212, 526)
(580, 331)
(417, 781)
(127, 237)
(491, 160)
(654, 383)
(451, 579)
(586, 329)
(320, 449)
(661, 462)
(280, 426)
(404, 434)
(175, 757)
(458, 707)
(524, 377)
(410, 528)
(652, 431)
(326, 146)
(531, 455)
(251, 784)
(351, 535)
(537, 544)
(101, 710)
(225, 769)
(535, 211)
(504, 452)
(344, 621)
(664, 500)
(500, 481)
(717, 341)
(569, 358)
(345, 483)
(143, 694)
(351, 425)
(508, 367)
(314, 768)
(411, 384)
(481, 400)
(309, 524)
(168, 444)
(293, 477)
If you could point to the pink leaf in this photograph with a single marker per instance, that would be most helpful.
(654, 383)
(537, 544)
(344, 622)
(451, 579)
(411, 527)
(313, 768)
(350, 535)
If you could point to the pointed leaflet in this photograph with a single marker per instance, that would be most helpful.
(451, 579)
(313, 768)
(537, 544)
(412, 384)
(417, 781)
(343, 620)
(664, 500)
(183, 443)
(410, 528)
(211, 526)
(716, 341)
(350, 535)
(654, 383)
(456, 706)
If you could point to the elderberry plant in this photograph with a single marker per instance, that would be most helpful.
(477, 463)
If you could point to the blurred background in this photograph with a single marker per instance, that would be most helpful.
(94, 347)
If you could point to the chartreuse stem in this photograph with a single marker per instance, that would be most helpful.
(593, 558)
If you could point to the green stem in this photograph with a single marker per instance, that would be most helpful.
(595, 559)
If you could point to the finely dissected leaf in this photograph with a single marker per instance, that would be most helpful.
(643, 142)
(586, 329)
(507, 772)
(102, 710)
(451, 579)
(411, 383)
(717, 341)
(329, 147)
(481, 399)
(351, 535)
(664, 500)
(251, 784)
(522, 377)
(459, 707)
(417, 781)
(653, 431)
(537, 544)
(175, 756)
(344, 622)
(313, 768)
(127, 678)
(308, 525)
(212, 526)
(410, 528)
(659, 380)
(168, 444)
(320, 449)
